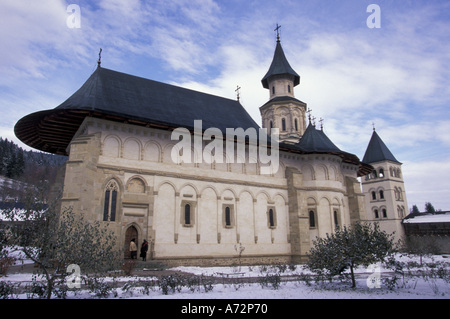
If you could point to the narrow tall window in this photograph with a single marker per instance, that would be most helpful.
(289, 88)
(296, 124)
(283, 124)
(110, 205)
(227, 216)
(312, 219)
(384, 213)
(271, 218)
(228, 220)
(381, 194)
(376, 213)
(187, 214)
(374, 196)
(336, 219)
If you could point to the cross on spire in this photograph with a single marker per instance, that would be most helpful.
(309, 114)
(238, 92)
(100, 57)
(278, 32)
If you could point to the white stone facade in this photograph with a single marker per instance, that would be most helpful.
(229, 203)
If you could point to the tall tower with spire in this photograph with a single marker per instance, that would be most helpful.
(283, 110)
(384, 188)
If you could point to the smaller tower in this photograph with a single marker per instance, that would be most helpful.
(384, 188)
(283, 110)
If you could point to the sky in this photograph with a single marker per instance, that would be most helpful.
(395, 76)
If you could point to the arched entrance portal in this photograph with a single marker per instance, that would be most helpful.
(129, 235)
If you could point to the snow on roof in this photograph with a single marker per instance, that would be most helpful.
(429, 218)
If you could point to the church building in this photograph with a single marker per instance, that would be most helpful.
(124, 168)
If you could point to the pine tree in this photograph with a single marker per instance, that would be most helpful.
(429, 208)
(415, 210)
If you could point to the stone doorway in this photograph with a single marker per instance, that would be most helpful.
(129, 235)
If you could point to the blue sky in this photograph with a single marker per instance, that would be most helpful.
(396, 76)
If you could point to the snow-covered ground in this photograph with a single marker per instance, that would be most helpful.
(408, 287)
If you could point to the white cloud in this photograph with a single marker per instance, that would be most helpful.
(397, 76)
(25, 28)
(428, 182)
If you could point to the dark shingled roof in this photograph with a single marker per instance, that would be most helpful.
(279, 66)
(377, 151)
(316, 141)
(122, 97)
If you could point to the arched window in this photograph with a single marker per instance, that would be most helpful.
(283, 124)
(377, 215)
(187, 214)
(271, 125)
(273, 89)
(227, 216)
(401, 211)
(228, 220)
(110, 205)
(381, 174)
(289, 88)
(381, 194)
(312, 219)
(374, 195)
(400, 194)
(271, 218)
(374, 174)
(384, 212)
(336, 219)
(296, 124)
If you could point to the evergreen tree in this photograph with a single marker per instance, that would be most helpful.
(415, 210)
(429, 208)
(27, 166)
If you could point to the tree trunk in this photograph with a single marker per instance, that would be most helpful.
(353, 276)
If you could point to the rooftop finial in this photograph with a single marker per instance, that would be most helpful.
(321, 123)
(100, 57)
(238, 92)
(309, 115)
(373, 124)
(278, 32)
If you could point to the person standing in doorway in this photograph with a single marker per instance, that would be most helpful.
(133, 249)
(144, 249)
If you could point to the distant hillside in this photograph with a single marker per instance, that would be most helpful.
(29, 167)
